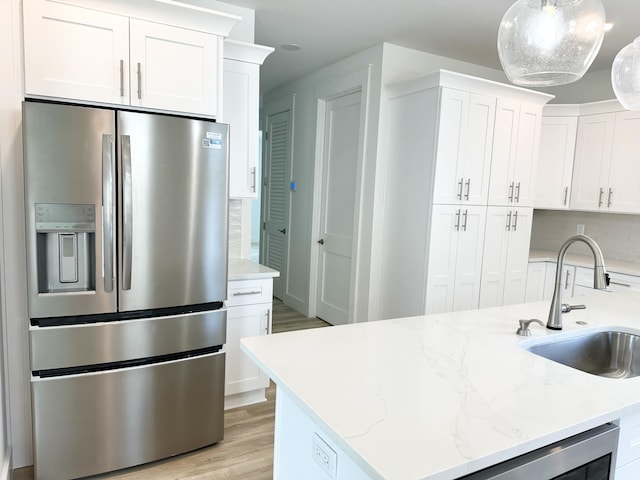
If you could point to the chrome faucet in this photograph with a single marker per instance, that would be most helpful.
(599, 278)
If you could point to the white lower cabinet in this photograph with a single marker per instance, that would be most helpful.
(506, 256)
(249, 313)
(628, 457)
(455, 258)
(541, 281)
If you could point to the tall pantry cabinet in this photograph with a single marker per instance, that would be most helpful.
(448, 148)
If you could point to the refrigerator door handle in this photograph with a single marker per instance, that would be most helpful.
(107, 211)
(127, 240)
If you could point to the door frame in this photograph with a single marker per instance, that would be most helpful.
(323, 93)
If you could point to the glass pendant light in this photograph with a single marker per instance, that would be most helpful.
(550, 42)
(625, 75)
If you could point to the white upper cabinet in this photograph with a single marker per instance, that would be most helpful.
(624, 174)
(555, 161)
(241, 88)
(94, 56)
(464, 142)
(173, 68)
(606, 170)
(592, 162)
(75, 53)
(515, 151)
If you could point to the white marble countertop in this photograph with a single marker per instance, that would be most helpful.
(437, 397)
(618, 266)
(245, 269)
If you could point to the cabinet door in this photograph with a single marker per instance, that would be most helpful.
(445, 226)
(75, 53)
(524, 168)
(242, 374)
(173, 68)
(241, 83)
(515, 277)
(505, 143)
(536, 273)
(593, 158)
(555, 162)
(468, 271)
(494, 261)
(452, 131)
(476, 164)
(624, 175)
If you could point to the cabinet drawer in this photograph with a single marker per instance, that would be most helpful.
(246, 292)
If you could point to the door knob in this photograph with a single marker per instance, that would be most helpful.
(321, 241)
(283, 231)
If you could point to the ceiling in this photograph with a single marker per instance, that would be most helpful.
(462, 29)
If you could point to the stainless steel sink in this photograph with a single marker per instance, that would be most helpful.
(608, 353)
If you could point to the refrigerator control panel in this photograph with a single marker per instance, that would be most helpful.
(56, 217)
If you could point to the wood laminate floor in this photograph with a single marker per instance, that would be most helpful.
(246, 453)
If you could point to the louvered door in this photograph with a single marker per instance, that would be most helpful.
(278, 147)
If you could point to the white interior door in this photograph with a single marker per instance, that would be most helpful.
(274, 238)
(340, 153)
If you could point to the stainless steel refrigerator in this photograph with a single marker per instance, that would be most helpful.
(126, 226)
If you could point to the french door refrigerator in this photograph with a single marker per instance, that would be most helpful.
(126, 227)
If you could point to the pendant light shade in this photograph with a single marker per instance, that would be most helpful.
(550, 42)
(625, 76)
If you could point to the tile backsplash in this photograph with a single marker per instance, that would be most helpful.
(617, 235)
(235, 228)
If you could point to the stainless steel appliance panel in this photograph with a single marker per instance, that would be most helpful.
(68, 151)
(173, 211)
(95, 343)
(91, 423)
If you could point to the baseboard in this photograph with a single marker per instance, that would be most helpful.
(6, 472)
(244, 399)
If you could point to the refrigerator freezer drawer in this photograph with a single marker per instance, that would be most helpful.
(91, 423)
(96, 343)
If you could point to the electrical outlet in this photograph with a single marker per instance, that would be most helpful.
(324, 456)
(580, 230)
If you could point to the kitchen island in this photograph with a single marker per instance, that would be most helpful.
(435, 397)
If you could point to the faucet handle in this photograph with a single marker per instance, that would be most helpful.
(523, 330)
(566, 308)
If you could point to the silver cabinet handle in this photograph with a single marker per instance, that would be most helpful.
(254, 179)
(457, 225)
(127, 215)
(459, 195)
(600, 197)
(509, 221)
(139, 81)
(518, 193)
(511, 192)
(566, 195)
(107, 211)
(566, 280)
(268, 315)
(468, 187)
(122, 78)
(242, 294)
(515, 221)
(464, 221)
(609, 197)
